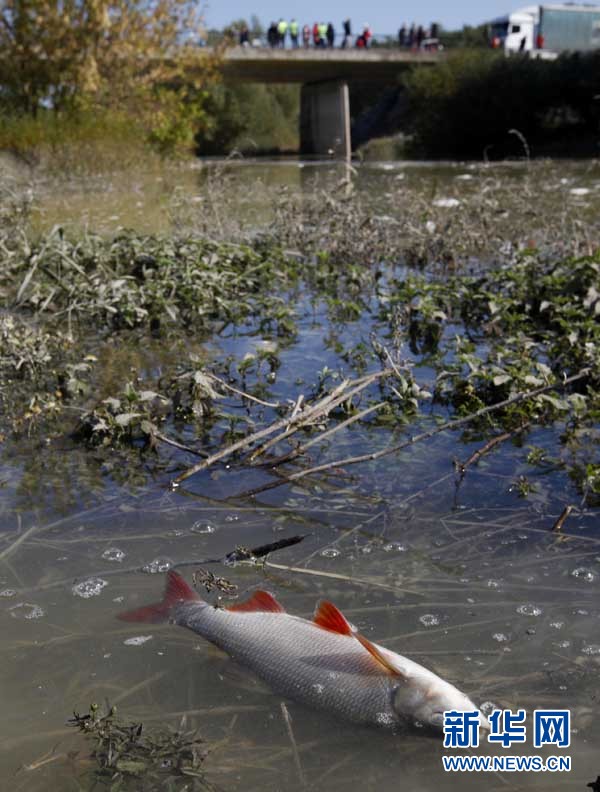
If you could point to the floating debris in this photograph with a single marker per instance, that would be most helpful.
(89, 588)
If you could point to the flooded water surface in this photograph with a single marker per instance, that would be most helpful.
(470, 576)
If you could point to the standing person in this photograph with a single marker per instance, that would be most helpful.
(306, 36)
(316, 37)
(347, 33)
(244, 36)
(402, 36)
(420, 36)
(411, 36)
(272, 35)
(322, 34)
(282, 27)
(330, 34)
(367, 35)
(294, 33)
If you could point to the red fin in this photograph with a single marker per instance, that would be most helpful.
(259, 601)
(176, 590)
(330, 618)
(381, 658)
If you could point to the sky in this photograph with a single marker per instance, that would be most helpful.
(384, 16)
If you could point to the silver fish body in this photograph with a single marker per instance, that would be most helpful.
(300, 661)
(324, 663)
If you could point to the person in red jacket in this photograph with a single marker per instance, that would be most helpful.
(316, 35)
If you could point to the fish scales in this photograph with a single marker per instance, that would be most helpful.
(325, 663)
(300, 660)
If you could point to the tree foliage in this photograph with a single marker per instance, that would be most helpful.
(134, 55)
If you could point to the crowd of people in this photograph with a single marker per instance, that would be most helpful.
(324, 35)
(321, 34)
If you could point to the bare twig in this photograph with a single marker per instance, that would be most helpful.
(288, 725)
(308, 415)
(302, 449)
(558, 525)
(164, 439)
(241, 393)
(485, 449)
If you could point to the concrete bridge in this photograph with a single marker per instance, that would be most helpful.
(324, 74)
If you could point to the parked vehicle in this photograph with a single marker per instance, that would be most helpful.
(547, 30)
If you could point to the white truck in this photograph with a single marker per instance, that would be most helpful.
(547, 30)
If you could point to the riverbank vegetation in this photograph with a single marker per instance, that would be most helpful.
(417, 331)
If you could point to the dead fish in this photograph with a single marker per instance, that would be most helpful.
(325, 663)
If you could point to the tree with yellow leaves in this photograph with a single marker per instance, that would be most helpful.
(129, 55)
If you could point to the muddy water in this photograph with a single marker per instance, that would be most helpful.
(469, 580)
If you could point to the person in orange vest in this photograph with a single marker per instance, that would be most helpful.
(316, 35)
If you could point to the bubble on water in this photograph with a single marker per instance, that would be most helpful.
(488, 707)
(113, 554)
(8, 593)
(137, 640)
(558, 625)
(202, 527)
(500, 637)
(395, 547)
(429, 619)
(366, 549)
(318, 688)
(231, 518)
(330, 552)
(579, 191)
(26, 610)
(584, 574)
(563, 644)
(529, 610)
(493, 584)
(385, 718)
(157, 565)
(89, 588)
(591, 649)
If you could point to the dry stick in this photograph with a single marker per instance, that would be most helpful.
(288, 726)
(241, 393)
(557, 527)
(455, 424)
(164, 439)
(476, 456)
(243, 443)
(336, 397)
(268, 430)
(303, 448)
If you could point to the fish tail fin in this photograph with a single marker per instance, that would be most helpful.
(176, 591)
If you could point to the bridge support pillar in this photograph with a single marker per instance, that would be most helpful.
(325, 119)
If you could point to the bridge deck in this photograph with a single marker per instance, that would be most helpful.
(250, 64)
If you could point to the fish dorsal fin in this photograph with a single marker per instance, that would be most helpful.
(386, 659)
(257, 602)
(331, 618)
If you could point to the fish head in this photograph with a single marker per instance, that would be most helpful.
(427, 698)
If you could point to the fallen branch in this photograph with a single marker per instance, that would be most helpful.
(241, 393)
(558, 525)
(447, 426)
(461, 467)
(164, 439)
(306, 416)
